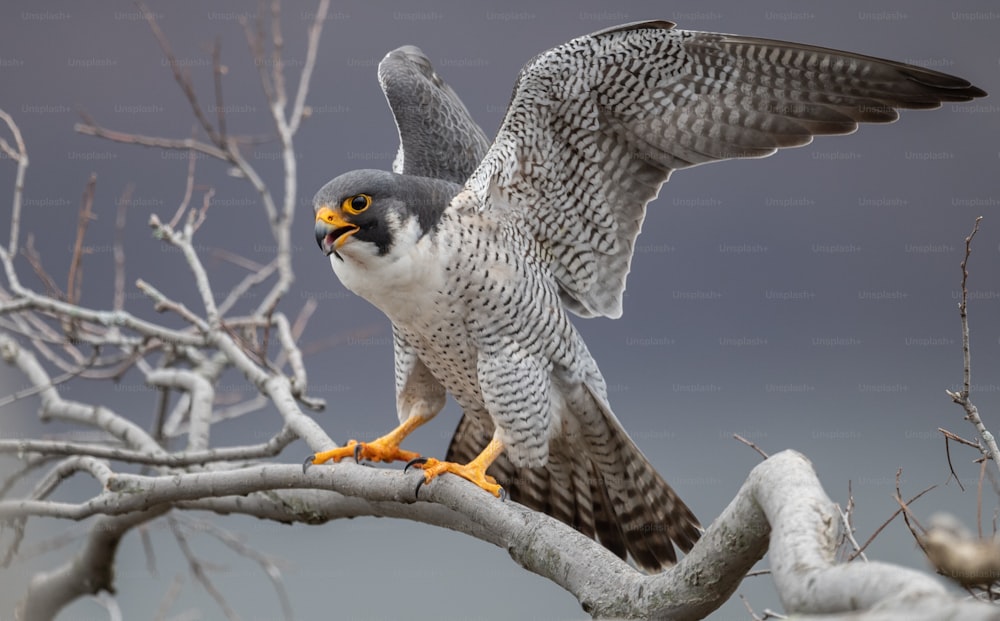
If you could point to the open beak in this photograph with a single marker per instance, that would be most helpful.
(332, 230)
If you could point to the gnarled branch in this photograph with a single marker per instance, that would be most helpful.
(781, 510)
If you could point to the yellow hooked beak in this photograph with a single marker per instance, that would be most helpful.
(332, 230)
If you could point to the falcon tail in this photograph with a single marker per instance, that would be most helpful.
(613, 494)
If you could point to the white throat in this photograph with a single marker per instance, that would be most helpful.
(403, 283)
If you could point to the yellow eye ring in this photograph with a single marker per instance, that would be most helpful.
(356, 204)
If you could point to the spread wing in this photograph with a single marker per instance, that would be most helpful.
(596, 126)
(437, 136)
(439, 139)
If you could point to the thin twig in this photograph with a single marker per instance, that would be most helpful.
(31, 463)
(284, 126)
(119, 248)
(163, 303)
(299, 325)
(148, 550)
(292, 353)
(195, 220)
(218, 70)
(242, 408)
(849, 534)
(197, 569)
(249, 281)
(845, 515)
(73, 285)
(277, 62)
(963, 310)
(255, 42)
(21, 157)
(234, 543)
(183, 242)
(239, 260)
(315, 30)
(35, 261)
(34, 390)
(180, 76)
(50, 544)
(188, 190)
(960, 439)
(746, 603)
(908, 515)
(951, 467)
(187, 144)
(979, 498)
(886, 523)
(169, 597)
(751, 445)
(963, 398)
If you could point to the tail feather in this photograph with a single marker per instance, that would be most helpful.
(602, 485)
(631, 488)
(585, 519)
(562, 488)
(606, 525)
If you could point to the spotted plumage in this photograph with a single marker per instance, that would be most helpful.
(476, 252)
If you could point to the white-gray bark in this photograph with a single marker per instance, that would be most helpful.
(781, 510)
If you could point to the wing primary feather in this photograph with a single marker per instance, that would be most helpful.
(649, 99)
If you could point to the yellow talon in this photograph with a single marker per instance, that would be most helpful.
(377, 450)
(384, 449)
(433, 468)
(474, 471)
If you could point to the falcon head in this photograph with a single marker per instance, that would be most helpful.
(354, 209)
(364, 212)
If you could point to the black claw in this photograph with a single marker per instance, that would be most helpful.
(503, 495)
(308, 462)
(414, 462)
(416, 492)
(357, 453)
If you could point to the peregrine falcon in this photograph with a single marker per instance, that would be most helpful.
(478, 252)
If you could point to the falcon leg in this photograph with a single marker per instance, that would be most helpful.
(385, 448)
(474, 471)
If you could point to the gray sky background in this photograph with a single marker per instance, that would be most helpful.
(806, 301)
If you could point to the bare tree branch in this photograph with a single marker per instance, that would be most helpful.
(162, 303)
(315, 30)
(756, 448)
(21, 157)
(781, 509)
(125, 319)
(73, 285)
(188, 190)
(53, 405)
(198, 571)
(235, 543)
(183, 242)
(962, 398)
(201, 394)
(192, 358)
(180, 76)
(187, 144)
(90, 571)
(118, 302)
(218, 70)
(168, 598)
(249, 452)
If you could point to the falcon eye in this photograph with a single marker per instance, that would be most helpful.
(357, 204)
